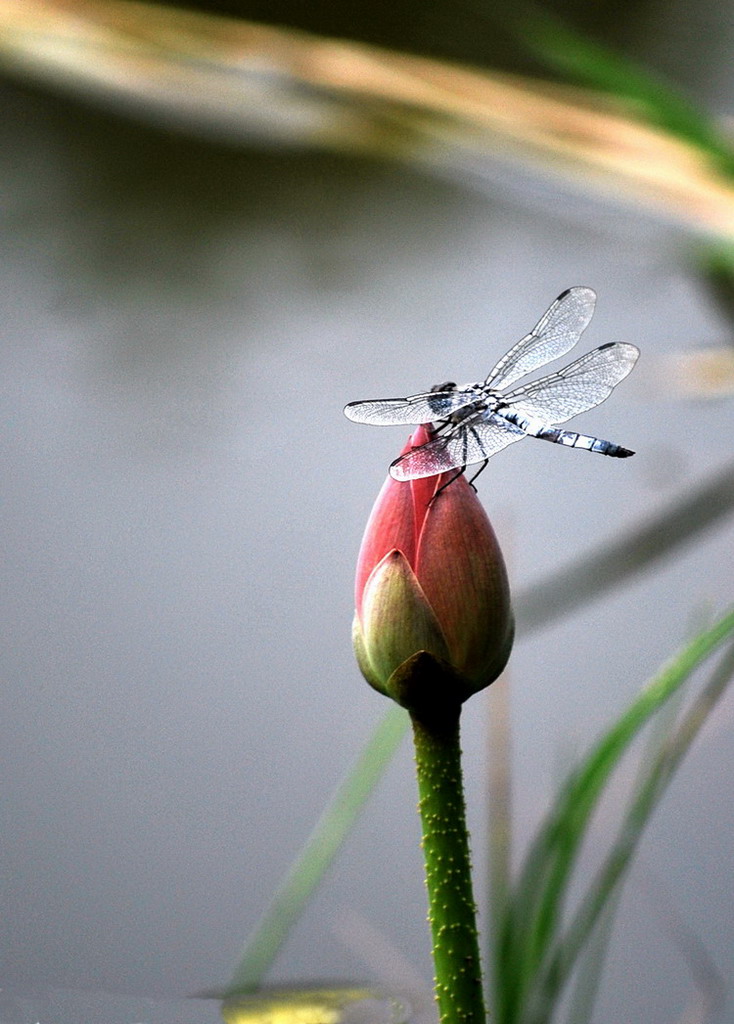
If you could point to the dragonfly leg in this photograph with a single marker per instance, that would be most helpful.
(480, 470)
(457, 474)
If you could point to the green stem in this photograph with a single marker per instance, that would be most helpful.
(451, 908)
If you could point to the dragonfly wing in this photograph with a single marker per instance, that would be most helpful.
(425, 408)
(556, 333)
(464, 446)
(583, 384)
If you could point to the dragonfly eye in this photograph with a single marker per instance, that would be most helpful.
(448, 385)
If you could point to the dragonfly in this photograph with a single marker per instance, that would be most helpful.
(472, 422)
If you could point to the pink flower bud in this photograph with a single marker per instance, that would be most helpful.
(431, 578)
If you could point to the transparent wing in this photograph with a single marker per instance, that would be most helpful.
(425, 408)
(556, 333)
(583, 384)
(464, 446)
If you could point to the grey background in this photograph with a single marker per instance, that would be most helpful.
(182, 506)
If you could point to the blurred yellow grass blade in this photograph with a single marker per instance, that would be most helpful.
(337, 1004)
(699, 373)
(282, 85)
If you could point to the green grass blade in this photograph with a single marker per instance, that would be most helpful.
(644, 800)
(319, 851)
(591, 967)
(534, 912)
(659, 101)
(592, 957)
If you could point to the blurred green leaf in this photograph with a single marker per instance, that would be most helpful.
(317, 854)
(530, 960)
(616, 562)
(591, 962)
(591, 959)
(644, 800)
(715, 264)
(657, 100)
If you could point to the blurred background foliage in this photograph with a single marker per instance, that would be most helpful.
(471, 31)
(624, 127)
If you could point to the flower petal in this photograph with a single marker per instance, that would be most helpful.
(396, 620)
(462, 573)
(360, 653)
(396, 520)
(391, 526)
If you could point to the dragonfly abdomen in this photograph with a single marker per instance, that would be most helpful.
(569, 438)
(584, 441)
